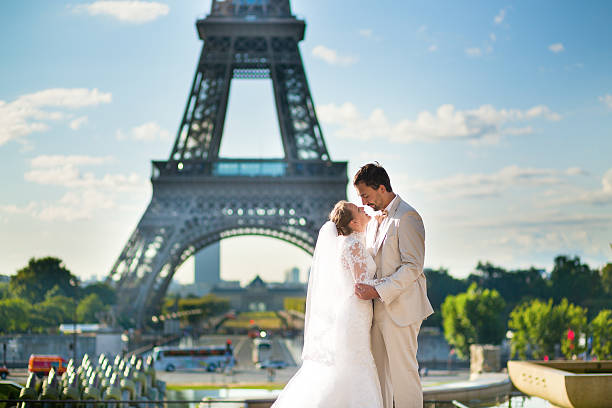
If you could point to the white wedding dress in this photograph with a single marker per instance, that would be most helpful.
(338, 369)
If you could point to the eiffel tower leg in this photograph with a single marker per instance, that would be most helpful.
(199, 135)
(302, 136)
(139, 263)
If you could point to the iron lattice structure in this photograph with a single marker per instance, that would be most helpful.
(200, 198)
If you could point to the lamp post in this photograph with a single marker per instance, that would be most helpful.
(73, 283)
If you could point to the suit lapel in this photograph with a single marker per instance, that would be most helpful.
(384, 226)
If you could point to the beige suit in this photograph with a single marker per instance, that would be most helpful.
(398, 248)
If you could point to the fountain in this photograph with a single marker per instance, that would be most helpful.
(566, 384)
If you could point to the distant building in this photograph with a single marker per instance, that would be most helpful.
(292, 275)
(207, 273)
(259, 295)
(199, 289)
(208, 265)
(228, 284)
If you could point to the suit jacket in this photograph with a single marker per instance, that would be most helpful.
(399, 252)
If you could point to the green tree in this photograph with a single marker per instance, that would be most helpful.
(540, 326)
(572, 280)
(531, 333)
(52, 312)
(4, 290)
(473, 317)
(606, 279)
(105, 292)
(574, 320)
(530, 281)
(14, 315)
(33, 281)
(601, 330)
(88, 308)
(439, 285)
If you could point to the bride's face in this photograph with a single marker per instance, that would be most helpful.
(360, 218)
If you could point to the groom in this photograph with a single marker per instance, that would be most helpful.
(396, 240)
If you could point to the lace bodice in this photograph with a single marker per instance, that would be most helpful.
(356, 260)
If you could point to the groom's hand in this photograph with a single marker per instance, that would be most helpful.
(366, 292)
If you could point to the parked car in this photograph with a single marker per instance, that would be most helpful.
(272, 364)
(4, 372)
(41, 364)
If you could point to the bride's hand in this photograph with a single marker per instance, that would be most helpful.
(366, 292)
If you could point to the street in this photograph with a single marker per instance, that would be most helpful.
(244, 372)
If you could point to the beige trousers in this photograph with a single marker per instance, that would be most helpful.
(395, 349)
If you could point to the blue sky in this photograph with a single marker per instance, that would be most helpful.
(493, 119)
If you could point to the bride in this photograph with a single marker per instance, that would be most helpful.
(338, 368)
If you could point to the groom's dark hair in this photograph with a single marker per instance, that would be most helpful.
(373, 175)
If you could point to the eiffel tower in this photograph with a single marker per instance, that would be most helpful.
(200, 198)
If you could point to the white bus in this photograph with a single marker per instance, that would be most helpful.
(209, 358)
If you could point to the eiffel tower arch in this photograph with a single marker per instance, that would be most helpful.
(200, 198)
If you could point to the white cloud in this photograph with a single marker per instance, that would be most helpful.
(566, 195)
(76, 205)
(332, 57)
(65, 171)
(607, 100)
(556, 234)
(473, 52)
(541, 111)
(72, 206)
(493, 37)
(602, 196)
(31, 112)
(14, 209)
(76, 124)
(525, 130)
(433, 48)
(556, 47)
(576, 171)
(606, 181)
(130, 11)
(46, 161)
(543, 220)
(493, 184)
(147, 132)
(484, 124)
(85, 194)
(499, 18)
(366, 32)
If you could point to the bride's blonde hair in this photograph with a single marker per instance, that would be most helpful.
(341, 215)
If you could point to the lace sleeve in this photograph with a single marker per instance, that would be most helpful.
(354, 260)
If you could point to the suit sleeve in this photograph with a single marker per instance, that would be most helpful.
(411, 245)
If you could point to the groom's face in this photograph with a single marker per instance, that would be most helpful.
(371, 197)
